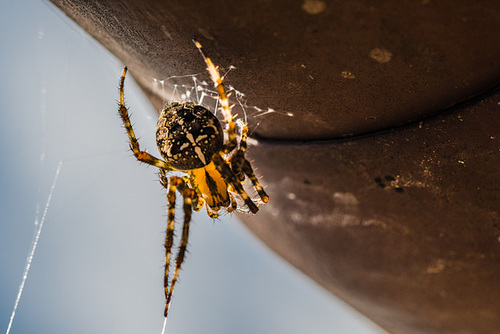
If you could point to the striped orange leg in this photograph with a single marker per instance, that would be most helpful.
(175, 183)
(231, 178)
(224, 102)
(241, 166)
(142, 156)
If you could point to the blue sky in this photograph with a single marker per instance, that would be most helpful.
(98, 265)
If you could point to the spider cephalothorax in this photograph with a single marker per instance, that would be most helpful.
(191, 140)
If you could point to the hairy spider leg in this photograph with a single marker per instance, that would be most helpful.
(198, 201)
(176, 183)
(142, 156)
(225, 107)
(169, 237)
(241, 166)
(226, 172)
(233, 206)
(237, 159)
(187, 193)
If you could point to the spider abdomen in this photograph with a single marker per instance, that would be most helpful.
(188, 135)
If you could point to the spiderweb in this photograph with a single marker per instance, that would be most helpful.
(195, 89)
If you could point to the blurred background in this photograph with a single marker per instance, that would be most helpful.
(98, 267)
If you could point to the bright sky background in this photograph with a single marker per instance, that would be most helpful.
(98, 266)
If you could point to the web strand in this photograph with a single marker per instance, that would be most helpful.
(29, 259)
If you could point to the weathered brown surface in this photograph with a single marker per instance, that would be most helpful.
(402, 224)
(408, 58)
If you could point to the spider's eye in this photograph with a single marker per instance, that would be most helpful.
(188, 135)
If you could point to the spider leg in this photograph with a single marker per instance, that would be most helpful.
(169, 238)
(197, 200)
(247, 168)
(188, 194)
(233, 205)
(142, 156)
(241, 166)
(237, 159)
(225, 170)
(212, 213)
(224, 102)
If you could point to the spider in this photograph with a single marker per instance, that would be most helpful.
(191, 140)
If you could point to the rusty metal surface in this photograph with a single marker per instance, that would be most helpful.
(342, 68)
(404, 225)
